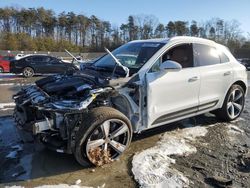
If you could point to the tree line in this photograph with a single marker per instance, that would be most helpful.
(42, 30)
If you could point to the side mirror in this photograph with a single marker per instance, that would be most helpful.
(169, 64)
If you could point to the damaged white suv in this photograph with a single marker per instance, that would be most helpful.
(143, 84)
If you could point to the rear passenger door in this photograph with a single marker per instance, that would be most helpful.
(215, 74)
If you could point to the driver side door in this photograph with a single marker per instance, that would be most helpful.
(172, 94)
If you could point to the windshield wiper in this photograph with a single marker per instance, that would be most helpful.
(126, 69)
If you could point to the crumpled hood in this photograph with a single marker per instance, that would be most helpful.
(72, 83)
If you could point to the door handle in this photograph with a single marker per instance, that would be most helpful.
(227, 73)
(193, 79)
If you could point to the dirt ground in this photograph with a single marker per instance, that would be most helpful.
(222, 157)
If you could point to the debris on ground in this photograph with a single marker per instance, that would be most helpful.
(99, 156)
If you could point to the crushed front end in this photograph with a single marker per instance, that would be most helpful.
(54, 107)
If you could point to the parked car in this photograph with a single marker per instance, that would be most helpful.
(42, 64)
(5, 63)
(245, 62)
(93, 113)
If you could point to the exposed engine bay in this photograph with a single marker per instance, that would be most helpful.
(54, 107)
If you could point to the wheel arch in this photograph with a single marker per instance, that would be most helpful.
(122, 104)
(240, 83)
(29, 67)
(221, 112)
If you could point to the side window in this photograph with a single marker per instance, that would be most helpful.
(156, 66)
(205, 55)
(37, 58)
(182, 54)
(41, 59)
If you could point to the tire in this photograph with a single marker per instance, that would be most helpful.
(1, 70)
(233, 104)
(28, 72)
(109, 146)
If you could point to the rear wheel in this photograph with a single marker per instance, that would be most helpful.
(28, 72)
(103, 136)
(1, 70)
(233, 104)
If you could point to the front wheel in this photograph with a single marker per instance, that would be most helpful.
(1, 70)
(233, 104)
(103, 136)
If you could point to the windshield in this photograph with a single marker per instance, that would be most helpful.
(132, 55)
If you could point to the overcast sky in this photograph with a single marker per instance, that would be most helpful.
(117, 11)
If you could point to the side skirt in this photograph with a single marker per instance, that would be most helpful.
(185, 112)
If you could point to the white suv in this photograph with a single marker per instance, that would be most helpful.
(142, 84)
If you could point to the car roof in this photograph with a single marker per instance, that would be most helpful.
(178, 39)
(34, 55)
(158, 40)
(38, 55)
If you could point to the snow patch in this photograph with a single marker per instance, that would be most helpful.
(7, 105)
(78, 182)
(6, 109)
(152, 167)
